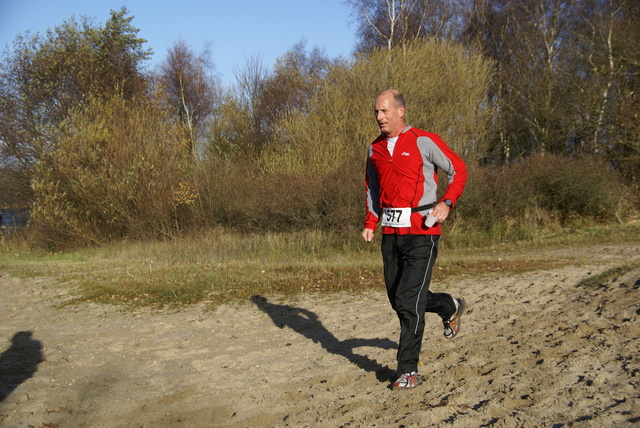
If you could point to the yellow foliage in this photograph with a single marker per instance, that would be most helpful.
(185, 194)
(109, 174)
(444, 85)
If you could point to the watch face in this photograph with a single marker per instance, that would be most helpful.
(448, 202)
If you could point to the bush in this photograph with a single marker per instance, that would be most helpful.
(545, 190)
(237, 196)
(445, 89)
(114, 171)
(314, 168)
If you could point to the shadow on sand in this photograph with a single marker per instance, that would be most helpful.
(307, 324)
(19, 362)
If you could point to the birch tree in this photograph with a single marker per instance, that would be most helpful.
(389, 23)
(189, 82)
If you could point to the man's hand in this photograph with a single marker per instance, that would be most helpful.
(367, 235)
(441, 211)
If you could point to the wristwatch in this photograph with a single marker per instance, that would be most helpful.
(448, 203)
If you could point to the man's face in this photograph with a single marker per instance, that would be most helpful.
(389, 117)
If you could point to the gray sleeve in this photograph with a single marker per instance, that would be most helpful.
(435, 156)
(373, 187)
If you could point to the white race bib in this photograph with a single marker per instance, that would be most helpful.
(396, 217)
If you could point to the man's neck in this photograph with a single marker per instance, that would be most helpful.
(396, 133)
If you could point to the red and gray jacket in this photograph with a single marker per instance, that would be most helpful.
(409, 178)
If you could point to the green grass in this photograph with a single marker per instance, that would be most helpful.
(220, 266)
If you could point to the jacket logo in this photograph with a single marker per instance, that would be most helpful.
(406, 154)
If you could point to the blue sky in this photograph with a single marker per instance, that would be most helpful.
(236, 29)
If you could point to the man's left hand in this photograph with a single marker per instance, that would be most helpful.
(441, 211)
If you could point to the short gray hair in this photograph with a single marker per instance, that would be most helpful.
(398, 98)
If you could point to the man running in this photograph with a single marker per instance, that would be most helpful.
(402, 167)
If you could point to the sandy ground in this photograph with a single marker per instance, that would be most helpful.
(535, 350)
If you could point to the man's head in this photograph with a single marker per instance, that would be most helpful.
(389, 109)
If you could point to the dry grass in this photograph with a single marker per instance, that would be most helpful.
(220, 266)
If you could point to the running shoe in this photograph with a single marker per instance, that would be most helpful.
(452, 325)
(407, 381)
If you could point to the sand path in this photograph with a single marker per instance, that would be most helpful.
(535, 350)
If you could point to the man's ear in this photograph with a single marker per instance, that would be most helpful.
(401, 110)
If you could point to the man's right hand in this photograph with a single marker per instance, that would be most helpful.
(367, 235)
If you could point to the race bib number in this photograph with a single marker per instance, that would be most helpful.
(396, 217)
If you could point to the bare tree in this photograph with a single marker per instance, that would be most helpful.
(237, 129)
(249, 83)
(527, 39)
(566, 76)
(297, 77)
(389, 23)
(188, 80)
(608, 40)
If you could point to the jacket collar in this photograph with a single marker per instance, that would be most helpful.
(383, 137)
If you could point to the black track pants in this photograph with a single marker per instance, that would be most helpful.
(408, 262)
